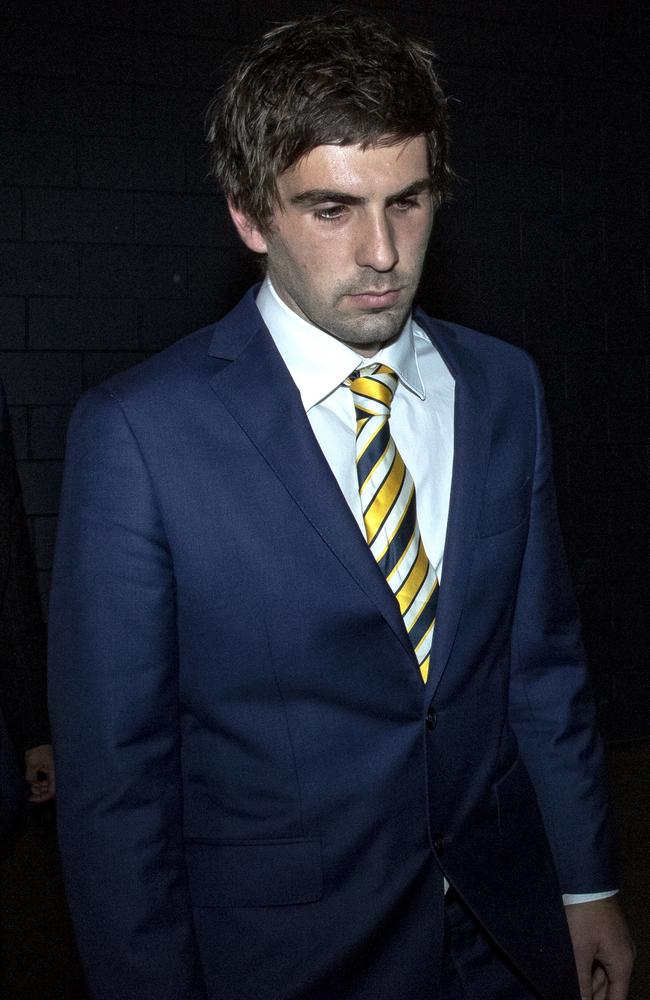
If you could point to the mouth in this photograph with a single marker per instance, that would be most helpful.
(377, 300)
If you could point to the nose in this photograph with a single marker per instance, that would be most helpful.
(376, 247)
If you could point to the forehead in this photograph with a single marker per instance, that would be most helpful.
(376, 171)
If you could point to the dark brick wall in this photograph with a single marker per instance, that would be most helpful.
(114, 244)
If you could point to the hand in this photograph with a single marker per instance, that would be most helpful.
(603, 949)
(39, 773)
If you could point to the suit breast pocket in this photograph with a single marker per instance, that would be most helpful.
(255, 873)
(500, 514)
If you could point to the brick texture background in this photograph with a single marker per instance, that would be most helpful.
(114, 243)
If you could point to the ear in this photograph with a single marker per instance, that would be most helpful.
(247, 229)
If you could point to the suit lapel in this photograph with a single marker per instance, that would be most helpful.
(472, 432)
(260, 395)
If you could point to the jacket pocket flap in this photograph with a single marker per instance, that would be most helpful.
(505, 513)
(268, 873)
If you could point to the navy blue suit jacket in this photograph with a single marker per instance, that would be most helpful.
(258, 797)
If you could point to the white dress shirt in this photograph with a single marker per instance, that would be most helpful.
(422, 410)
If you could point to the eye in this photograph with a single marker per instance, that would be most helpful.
(330, 214)
(405, 204)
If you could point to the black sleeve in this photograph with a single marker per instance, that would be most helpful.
(22, 632)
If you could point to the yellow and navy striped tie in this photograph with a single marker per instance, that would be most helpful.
(388, 503)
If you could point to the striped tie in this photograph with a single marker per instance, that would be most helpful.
(388, 504)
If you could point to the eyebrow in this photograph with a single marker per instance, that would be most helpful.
(316, 196)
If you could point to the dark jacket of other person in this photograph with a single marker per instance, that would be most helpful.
(23, 707)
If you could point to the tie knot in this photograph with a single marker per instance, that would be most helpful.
(373, 388)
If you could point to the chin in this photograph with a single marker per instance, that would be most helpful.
(381, 333)
(367, 328)
(370, 338)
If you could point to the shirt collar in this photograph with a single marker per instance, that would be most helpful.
(318, 362)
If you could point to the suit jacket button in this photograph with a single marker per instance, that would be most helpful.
(432, 718)
(439, 844)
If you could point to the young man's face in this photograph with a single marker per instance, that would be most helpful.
(348, 238)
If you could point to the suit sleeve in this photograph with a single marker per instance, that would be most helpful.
(551, 706)
(115, 719)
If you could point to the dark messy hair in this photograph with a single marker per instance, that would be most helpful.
(338, 78)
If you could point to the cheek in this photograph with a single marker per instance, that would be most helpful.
(313, 261)
(322, 261)
(416, 238)
(302, 254)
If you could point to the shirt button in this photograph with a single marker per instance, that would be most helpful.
(432, 719)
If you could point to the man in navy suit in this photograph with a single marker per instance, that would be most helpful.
(311, 627)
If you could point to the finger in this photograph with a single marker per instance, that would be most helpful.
(599, 983)
(583, 966)
(41, 797)
(618, 971)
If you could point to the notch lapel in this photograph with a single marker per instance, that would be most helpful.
(472, 433)
(259, 393)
